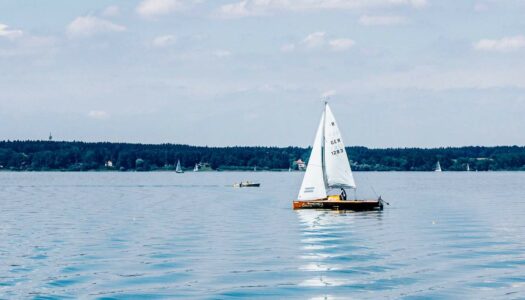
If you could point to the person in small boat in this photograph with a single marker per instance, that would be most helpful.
(343, 194)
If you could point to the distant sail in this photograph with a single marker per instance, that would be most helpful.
(196, 168)
(468, 168)
(337, 166)
(178, 169)
(313, 186)
(438, 167)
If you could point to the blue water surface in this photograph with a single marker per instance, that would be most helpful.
(162, 235)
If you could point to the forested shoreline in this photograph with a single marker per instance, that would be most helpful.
(84, 156)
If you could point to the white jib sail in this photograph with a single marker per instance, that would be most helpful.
(337, 167)
(178, 168)
(313, 186)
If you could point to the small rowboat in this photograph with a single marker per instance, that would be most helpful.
(247, 184)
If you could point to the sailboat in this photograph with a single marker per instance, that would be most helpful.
(178, 169)
(328, 170)
(438, 167)
(468, 168)
(196, 168)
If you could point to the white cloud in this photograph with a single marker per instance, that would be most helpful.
(164, 40)
(341, 44)
(98, 114)
(437, 79)
(480, 7)
(153, 8)
(288, 47)
(506, 44)
(367, 20)
(237, 10)
(246, 8)
(9, 33)
(314, 40)
(328, 94)
(111, 11)
(222, 53)
(90, 25)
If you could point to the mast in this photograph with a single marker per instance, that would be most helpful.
(323, 158)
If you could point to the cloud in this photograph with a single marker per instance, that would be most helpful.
(288, 47)
(480, 7)
(247, 8)
(328, 94)
(6, 32)
(436, 78)
(314, 40)
(341, 44)
(111, 11)
(90, 25)
(98, 114)
(164, 40)
(237, 10)
(153, 8)
(506, 44)
(367, 20)
(222, 53)
(317, 40)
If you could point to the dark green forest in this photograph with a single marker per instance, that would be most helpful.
(82, 156)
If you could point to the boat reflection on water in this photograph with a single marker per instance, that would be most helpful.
(332, 250)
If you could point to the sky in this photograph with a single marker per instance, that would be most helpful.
(398, 73)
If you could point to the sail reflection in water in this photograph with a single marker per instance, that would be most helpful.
(332, 251)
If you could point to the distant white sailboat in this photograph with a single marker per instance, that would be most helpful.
(468, 168)
(196, 168)
(438, 167)
(328, 170)
(178, 168)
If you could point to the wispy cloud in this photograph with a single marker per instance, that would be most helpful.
(290, 47)
(238, 10)
(341, 44)
(222, 53)
(506, 44)
(315, 39)
(480, 7)
(319, 40)
(367, 20)
(247, 8)
(91, 25)
(9, 33)
(154, 8)
(111, 11)
(164, 40)
(328, 94)
(98, 114)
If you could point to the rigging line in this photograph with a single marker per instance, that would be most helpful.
(371, 186)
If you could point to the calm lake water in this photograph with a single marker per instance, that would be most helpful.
(165, 235)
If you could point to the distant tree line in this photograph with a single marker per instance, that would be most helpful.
(81, 156)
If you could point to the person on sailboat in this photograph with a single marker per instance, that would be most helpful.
(343, 194)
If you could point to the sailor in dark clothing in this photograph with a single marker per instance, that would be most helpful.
(343, 194)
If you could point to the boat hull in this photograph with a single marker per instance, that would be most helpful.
(355, 205)
(247, 185)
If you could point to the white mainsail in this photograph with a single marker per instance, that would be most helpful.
(178, 168)
(337, 168)
(313, 186)
(438, 167)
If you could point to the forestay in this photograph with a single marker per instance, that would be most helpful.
(313, 186)
(337, 167)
